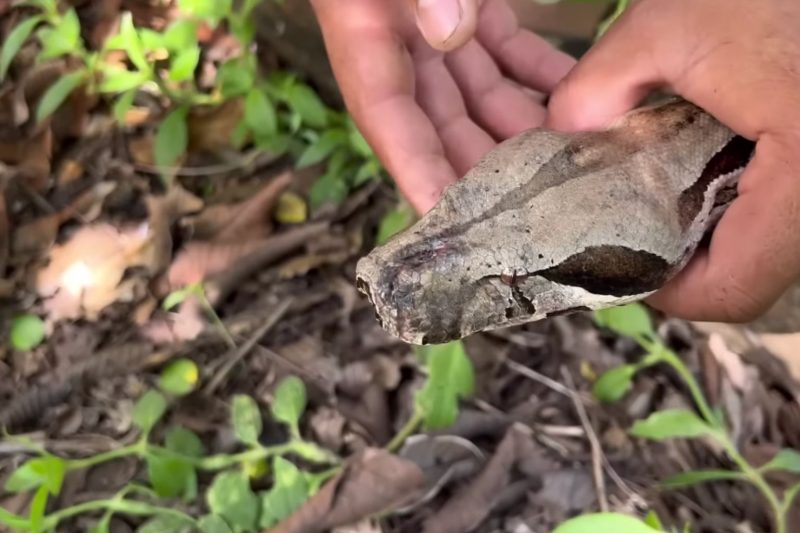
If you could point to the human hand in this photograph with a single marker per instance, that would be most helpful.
(431, 94)
(740, 61)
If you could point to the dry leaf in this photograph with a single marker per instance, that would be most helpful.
(84, 274)
(729, 360)
(38, 235)
(373, 482)
(5, 233)
(785, 347)
(474, 502)
(199, 260)
(250, 219)
(211, 127)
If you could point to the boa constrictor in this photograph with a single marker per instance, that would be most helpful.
(549, 223)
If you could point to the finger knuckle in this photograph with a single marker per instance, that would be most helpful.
(738, 301)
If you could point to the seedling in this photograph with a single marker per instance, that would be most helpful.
(172, 469)
(633, 321)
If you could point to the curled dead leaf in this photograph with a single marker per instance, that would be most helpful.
(474, 501)
(84, 274)
(249, 219)
(211, 128)
(372, 482)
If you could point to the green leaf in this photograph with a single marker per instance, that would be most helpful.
(172, 477)
(322, 147)
(211, 10)
(128, 39)
(246, 419)
(230, 497)
(62, 40)
(177, 297)
(394, 222)
(367, 171)
(58, 92)
(614, 384)
(27, 332)
(166, 524)
(290, 401)
(235, 78)
(786, 459)
(653, 521)
(47, 472)
(630, 320)
(123, 105)
(180, 377)
(305, 102)
(180, 35)
(151, 40)
(686, 479)
(594, 523)
(213, 524)
(259, 114)
(14, 42)
(450, 377)
(13, 521)
(38, 509)
(117, 80)
(149, 410)
(172, 139)
(671, 424)
(184, 64)
(359, 143)
(288, 493)
(329, 188)
(185, 442)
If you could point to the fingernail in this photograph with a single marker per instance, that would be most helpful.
(438, 19)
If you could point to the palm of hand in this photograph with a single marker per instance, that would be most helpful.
(430, 115)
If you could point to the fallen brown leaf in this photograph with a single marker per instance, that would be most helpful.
(85, 274)
(474, 502)
(5, 232)
(373, 481)
(211, 127)
(250, 219)
(38, 235)
(785, 347)
(199, 260)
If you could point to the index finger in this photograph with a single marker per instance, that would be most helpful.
(375, 74)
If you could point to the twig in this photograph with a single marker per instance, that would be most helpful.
(541, 378)
(573, 395)
(594, 443)
(238, 354)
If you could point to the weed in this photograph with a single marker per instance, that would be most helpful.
(633, 321)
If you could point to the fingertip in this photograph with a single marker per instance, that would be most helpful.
(447, 24)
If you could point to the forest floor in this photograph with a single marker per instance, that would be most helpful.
(210, 292)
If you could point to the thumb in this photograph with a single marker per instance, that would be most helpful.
(447, 24)
(614, 76)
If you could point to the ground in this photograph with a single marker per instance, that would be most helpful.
(209, 289)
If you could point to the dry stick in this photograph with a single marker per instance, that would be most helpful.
(594, 443)
(561, 389)
(220, 285)
(238, 354)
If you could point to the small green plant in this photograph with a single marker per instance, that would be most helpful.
(281, 113)
(450, 378)
(633, 321)
(27, 332)
(198, 290)
(172, 470)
